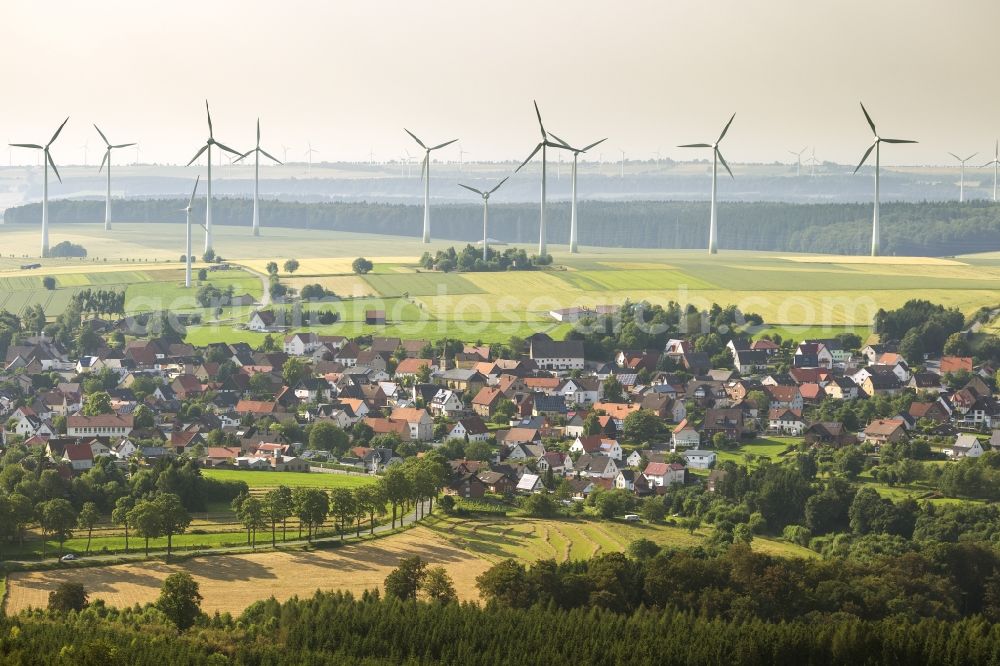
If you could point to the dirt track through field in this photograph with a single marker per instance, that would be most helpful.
(232, 582)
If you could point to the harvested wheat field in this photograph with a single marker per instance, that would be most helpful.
(233, 582)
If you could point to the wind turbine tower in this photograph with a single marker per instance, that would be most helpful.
(798, 161)
(572, 211)
(309, 155)
(209, 142)
(994, 163)
(876, 145)
(257, 152)
(961, 182)
(543, 146)
(187, 235)
(425, 175)
(713, 231)
(47, 161)
(107, 158)
(485, 194)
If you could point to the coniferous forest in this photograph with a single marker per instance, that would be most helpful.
(668, 607)
(932, 228)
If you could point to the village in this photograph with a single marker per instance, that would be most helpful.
(510, 423)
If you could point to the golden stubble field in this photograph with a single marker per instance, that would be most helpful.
(233, 582)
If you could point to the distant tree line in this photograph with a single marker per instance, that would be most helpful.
(937, 228)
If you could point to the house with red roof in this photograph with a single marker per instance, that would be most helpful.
(79, 455)
(664, 474)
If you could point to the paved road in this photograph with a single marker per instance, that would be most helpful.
(263, 544)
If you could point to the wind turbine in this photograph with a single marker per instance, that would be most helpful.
(257, 152)
(994, 163)
(461, 157)
(798, 160)
(622, 174)
(961, 183)
(209, 142)
(45, 181)
(713, 231)
(543, 146)
(485, 194)
(425, 174)
(572, 211)
(813, 162)
(285, 154)
(107, 158)
(876, 145)
(309, 155)
(187, 235)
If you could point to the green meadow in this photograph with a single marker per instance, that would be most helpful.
(797, 295)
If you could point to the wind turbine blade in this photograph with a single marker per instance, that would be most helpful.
(955, 156)
(472, 189)
(197, 155)
(258, 131)
(423, 165)
(107, 153)
(970, 157)
(227, 149)
(867, 153)
(124, 145)
(540, 125)
(583, 150)
(243, 155)
(415, 138)
(26, 145)
(56, 135)
(446, 143)
(269, 155)
(723, 160)
(209, 114)
(726, 128)
(565, 145)
(106, 142)
(194, 191)
(52, 163)
(898, 141)
(497, 186)
(533, 153)
(868, 118)
(695, 145)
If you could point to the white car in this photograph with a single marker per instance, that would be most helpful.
(631, 518)
(68, 557)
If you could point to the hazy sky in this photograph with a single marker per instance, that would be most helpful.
(350, 74)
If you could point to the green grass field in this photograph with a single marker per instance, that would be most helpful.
(798, 295)
(265, 479)
(529, 540)
(762, 447)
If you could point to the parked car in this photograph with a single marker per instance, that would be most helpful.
(68, 557)
(631, 518)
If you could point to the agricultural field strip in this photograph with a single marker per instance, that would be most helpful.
(232, 582)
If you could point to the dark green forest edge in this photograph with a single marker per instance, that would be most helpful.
(920, 229)
(673, 607)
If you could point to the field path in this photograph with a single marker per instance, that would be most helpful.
(265, 298)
